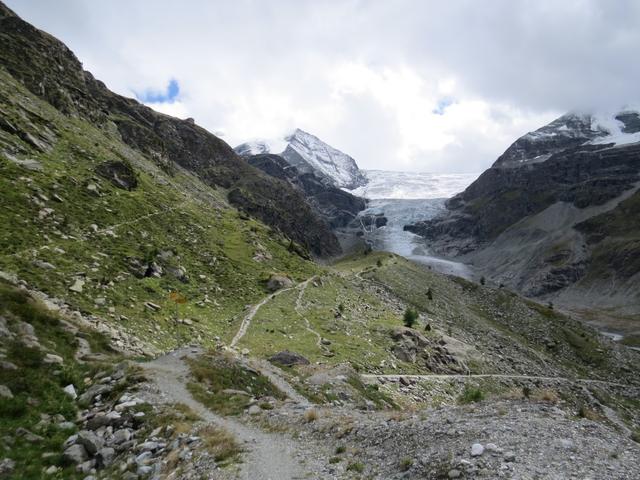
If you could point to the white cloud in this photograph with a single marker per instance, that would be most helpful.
(365, 76)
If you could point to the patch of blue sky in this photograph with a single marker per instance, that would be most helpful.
(442, 105)
(169, 95)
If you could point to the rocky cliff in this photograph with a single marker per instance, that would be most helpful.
(552, 216)
(336, 206)
(51, 71)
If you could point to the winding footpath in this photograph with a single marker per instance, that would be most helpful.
(268, 456)
(246, 321)
(298, 308)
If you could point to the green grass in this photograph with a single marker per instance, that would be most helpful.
(221, 444)
(357, 467)
(631, 340)
(406, 463)
(359, 331)
(37, 386)
(585, 347)
(212, 374)
(371, 393)
(208, 238)
(471, 395)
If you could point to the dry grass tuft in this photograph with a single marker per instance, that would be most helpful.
(311, 415)
(545, 395)
(220, 443)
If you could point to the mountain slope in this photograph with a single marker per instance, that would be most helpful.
(108, 251)
(309, 154)
(529, 220)
(335, 205)
(50, 70)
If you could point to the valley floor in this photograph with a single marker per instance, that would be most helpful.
(470, 397)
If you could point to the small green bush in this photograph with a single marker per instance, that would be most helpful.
(470, 395)
(405, 464)
(410, 317)
(355, 467)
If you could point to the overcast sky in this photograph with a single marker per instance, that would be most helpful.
(432, 86)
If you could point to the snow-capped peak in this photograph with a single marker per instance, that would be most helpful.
(572, 130)
(309, 154)
(255, 147)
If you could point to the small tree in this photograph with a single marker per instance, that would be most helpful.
(429, 294)
(410, 317)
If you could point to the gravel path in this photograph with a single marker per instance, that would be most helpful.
(492, 375)
(246, 321)
(269, 456)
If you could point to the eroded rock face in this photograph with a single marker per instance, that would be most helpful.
(500, 197)
(120, 174)
(554, 216)
(336, 206)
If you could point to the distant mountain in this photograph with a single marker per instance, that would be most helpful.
(257, 147)
(309, 154)
(572, 130)
(556, 216)
(336, 206)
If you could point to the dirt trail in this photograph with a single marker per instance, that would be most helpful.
(246, 321)
(89, 235)
(298, 308)
(491, 375)
(269, 456)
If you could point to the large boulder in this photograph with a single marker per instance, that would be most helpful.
(90, 441)
(278, 282)
(288, 359)
(120, 174)
(75, 454)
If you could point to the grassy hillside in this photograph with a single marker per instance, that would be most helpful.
(67, 224)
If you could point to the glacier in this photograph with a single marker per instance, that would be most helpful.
(405, 198)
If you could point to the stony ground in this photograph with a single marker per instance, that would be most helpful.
(139, 419)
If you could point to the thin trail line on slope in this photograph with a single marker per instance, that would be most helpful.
(298, 307)
(246, 321)
(88, 235)
(264, 367)
(489, 375)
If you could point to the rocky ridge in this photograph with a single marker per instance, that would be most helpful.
(337, 207)
(525, 221)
